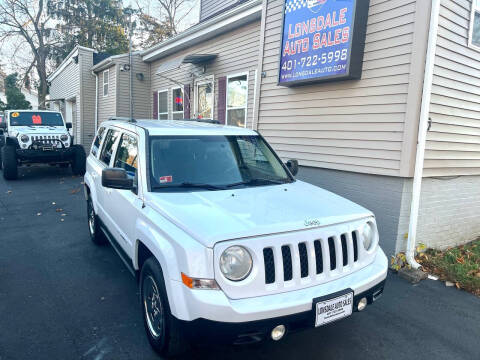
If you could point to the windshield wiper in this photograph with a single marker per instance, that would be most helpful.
(258, 181)
(188, 185)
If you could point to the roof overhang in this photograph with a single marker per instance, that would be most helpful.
(229, 20)
(67, 61)
(108, 62)
(196, 59)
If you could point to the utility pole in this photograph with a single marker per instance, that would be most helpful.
(131, 68)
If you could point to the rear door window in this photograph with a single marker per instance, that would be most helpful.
(127, 155)
(108, 146)
(98, 141)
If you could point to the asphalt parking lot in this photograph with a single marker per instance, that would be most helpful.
(61, 297)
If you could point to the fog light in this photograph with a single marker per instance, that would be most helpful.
(362, 304)
(278, 332)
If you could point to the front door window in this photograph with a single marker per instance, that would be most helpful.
(205, 100)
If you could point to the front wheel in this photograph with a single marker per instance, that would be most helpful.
(161, 326)
(79, 160)
(96, 234)
(9, 162)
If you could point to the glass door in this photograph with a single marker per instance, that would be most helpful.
(204, 99)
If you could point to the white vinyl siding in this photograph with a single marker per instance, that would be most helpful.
(351, 125)
(453, 142)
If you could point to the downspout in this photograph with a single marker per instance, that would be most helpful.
(422, 134)
(96, 100)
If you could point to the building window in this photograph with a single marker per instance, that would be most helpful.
(237, 95)
(204, 100)
(474, 39)
(106, 80)
(163, 105)
(177, 104)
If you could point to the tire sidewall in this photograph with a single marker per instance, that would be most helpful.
(152, 268)
(79, 160)
(10, 166)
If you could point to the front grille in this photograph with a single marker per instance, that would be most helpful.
(342, 251)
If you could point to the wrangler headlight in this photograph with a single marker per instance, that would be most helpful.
(368, 235)
(24, 138)
(64, 137)
(236, 263)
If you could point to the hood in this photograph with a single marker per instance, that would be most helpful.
(40, 130)
(214, 216)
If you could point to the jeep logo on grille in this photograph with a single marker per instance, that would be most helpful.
(312, 222)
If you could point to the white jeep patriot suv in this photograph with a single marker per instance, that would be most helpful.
(225, 243)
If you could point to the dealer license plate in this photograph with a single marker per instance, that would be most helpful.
(327, 311)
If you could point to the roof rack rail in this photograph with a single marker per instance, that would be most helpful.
(208, 121)
(118, 118)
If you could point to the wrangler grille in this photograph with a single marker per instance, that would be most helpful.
(340, 251)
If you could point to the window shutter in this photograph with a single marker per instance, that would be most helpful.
(187, 100)
(222, 99)
(155, 105)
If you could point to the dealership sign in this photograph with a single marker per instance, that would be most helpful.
(323, 40)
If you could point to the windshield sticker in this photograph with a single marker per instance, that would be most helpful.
(37, 119)
(166, 179)
(15, 114)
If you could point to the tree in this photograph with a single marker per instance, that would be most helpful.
(168, 23)
(15, 98)
(27, 21)
(97, 24)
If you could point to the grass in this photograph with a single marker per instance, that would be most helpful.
(460, 265)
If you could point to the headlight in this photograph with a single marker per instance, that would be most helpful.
(64, 137)
(236, 263)
(368, 235)
(24, 138)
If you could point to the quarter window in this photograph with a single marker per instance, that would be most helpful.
(127, 155)
(98, 141)
(237, 94)
(106, 82)
(163, 105)
(177, 104)
(475, 25)
(108, 145)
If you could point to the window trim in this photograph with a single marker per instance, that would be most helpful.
(158, 104)
(114, 147)
(246, 102)
(106, 83)
(203, 81)
(474, 10)
(100, 146)
(183, 96)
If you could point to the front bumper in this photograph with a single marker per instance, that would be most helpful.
(204, 331)
(49, 156)
(197, 306)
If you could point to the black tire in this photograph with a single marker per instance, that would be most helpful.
(96, 234)
(1, 158)
(79, 160)
(63, 166)
(169, 340)
(9, 161)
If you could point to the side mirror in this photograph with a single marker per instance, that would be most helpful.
(68, 125)
(115, 178)
(292, 165)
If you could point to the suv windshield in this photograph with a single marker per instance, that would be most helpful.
(213, 162)
(32, 118)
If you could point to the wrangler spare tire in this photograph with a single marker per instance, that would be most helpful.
(9, 162)
(79, 160)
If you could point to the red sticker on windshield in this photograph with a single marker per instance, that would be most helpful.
(166, 179)
(37, 119)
